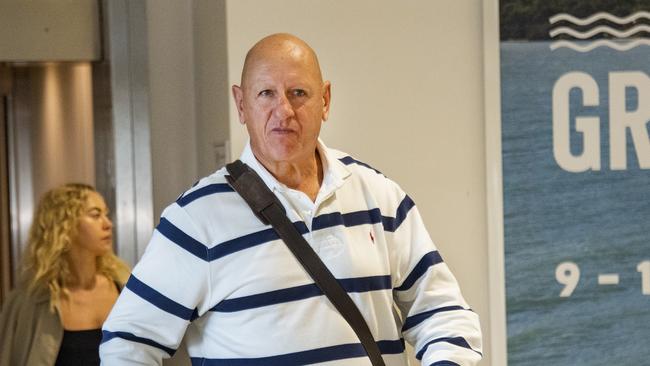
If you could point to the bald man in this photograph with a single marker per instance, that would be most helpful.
(217, 276)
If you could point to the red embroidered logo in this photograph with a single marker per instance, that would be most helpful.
(372, 238)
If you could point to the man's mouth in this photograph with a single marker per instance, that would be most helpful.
(283, 130)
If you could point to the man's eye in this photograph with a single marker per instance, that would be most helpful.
(299, 93)
(265, 93)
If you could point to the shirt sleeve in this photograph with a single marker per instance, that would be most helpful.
(436, 319)
(168, 289)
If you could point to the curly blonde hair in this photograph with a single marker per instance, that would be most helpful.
(46, 265)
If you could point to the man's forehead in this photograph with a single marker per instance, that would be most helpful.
(280, 50)
(280, 44)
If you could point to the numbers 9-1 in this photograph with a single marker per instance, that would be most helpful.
(568, 274)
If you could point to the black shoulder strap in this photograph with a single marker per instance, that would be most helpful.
(270, 211)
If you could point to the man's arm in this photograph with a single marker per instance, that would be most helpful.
(162, 296)
(437, 320)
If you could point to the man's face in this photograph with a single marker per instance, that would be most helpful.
(282, 102)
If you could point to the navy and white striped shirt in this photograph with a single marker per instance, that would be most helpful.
(215, 274)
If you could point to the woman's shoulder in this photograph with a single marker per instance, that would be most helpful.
(22, 306)
(115, 270)
(26, 320)
(21, 297)
(118, 277)
(122, 275)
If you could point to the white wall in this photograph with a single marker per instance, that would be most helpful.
(407, 99)
(212, 89)
(189, 93)
(171, 99)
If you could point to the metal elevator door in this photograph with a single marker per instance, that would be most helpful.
(6, 267)
(49, 137)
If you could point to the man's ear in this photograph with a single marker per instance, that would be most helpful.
(238, 96)
(327, 95)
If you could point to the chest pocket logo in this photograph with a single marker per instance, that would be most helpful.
(330, 247)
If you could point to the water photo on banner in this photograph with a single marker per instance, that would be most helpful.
(575, 122)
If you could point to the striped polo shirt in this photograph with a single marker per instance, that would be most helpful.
(216, 275)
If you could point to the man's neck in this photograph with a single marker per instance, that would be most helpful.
(305, 176)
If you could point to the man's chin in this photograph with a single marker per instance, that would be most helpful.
(281, 153)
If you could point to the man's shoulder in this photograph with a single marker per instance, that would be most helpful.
(353, 164)
(367, 176)
(205, 205)
(206, 186)
(205, 191)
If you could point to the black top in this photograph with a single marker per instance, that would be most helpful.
(79, 348)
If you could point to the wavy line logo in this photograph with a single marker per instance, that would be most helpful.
(618, 39)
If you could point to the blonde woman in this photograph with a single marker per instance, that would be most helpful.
(71, 279)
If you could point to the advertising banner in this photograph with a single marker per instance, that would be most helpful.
(575, 150)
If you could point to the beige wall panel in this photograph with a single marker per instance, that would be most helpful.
(49, 30)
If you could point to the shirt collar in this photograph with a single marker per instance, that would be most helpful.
(249, 158)
(334, 171)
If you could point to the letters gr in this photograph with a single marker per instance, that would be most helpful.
(619, 121)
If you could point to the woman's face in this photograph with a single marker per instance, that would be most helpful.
(94, 230)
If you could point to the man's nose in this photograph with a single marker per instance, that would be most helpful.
(284, 109)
